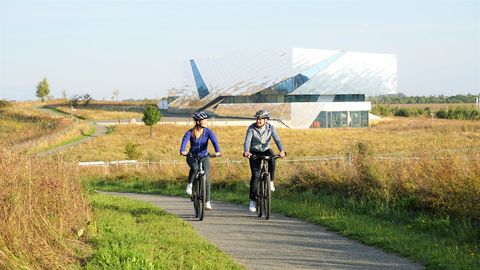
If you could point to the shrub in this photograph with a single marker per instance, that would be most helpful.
(402, 112)
(5, 103)
(132, 152)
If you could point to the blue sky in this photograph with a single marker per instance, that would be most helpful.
(139, 47)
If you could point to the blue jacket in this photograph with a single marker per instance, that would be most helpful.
(199, 146)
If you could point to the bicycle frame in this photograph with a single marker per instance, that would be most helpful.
(199, 191)
(264, 193)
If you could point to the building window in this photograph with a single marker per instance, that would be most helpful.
(341, 119)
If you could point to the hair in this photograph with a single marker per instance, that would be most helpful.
(197, 132)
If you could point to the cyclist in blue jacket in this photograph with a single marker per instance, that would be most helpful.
(257, 142)
(198, 137)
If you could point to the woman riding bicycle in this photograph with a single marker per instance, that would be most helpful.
(257, 142)
(198, 137)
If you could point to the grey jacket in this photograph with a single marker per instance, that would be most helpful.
(259, 140)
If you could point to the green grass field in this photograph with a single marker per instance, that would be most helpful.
(438, 242)
(128, 234)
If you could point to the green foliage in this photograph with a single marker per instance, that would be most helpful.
(129, 234)
(402, 112)
(132, 151)
(403, 99)
(462, 113)
(5, 103)
(77, 99)
(382, 109)
(151, 115)
(388, 110)
(43, 89)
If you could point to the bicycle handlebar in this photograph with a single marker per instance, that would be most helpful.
(209, 155)
(266, 157)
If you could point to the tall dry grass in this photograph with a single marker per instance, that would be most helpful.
(25, 129)
(42, 212)
(21, 124)
(428, 166)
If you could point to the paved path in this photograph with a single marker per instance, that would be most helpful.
(99, 131)
(279, 243)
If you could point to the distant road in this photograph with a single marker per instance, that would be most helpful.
(279, 243)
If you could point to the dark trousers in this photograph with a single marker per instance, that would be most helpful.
(192, 162)
(256, 170)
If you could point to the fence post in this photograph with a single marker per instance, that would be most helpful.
(349, 158)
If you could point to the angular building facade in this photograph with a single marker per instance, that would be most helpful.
(302, 88)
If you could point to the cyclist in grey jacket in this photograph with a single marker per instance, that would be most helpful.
(257, 142)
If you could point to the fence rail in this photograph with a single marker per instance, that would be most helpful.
(227, 161)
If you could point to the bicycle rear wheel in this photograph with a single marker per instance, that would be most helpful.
(268, 196)
(203, 196)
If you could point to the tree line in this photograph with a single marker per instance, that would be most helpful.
(403, 99)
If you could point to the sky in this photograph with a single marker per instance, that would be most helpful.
(140, 47)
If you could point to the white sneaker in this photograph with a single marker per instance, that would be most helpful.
(208, 206)
(188, 190)
(272, 187)
(252, 207)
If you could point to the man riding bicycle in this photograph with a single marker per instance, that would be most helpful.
(198, 137)
(257, 142)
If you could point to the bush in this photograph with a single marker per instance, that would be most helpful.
(441, 114)
(5, 103)
(132, 152)
(402, 112)
(460, 113)
(383, 110)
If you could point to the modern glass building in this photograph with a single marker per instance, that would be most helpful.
(303, 88)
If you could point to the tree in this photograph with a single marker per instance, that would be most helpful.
(151, 116)
(87, 98)
(64, 94)
(43, 89)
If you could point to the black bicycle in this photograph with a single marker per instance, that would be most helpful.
(264, 192)
(199, 189)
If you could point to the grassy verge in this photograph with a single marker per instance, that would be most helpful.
(61, 112)
(129, 234)
(69, 140)
(438, 242)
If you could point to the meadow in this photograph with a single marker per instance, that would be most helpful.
(19, 124)
(49, 219)
(406, 184)
(419, 179)
(101, 110)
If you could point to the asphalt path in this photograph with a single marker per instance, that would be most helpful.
(279, 243)
(100, 130)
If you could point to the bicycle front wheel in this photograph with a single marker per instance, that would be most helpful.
(203, 196)
(260, 193)
(268, 196)
(196, 198)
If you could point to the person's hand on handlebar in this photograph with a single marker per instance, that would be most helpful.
(184, 153)
(247, 154)
(218, 154)
(282, 154)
